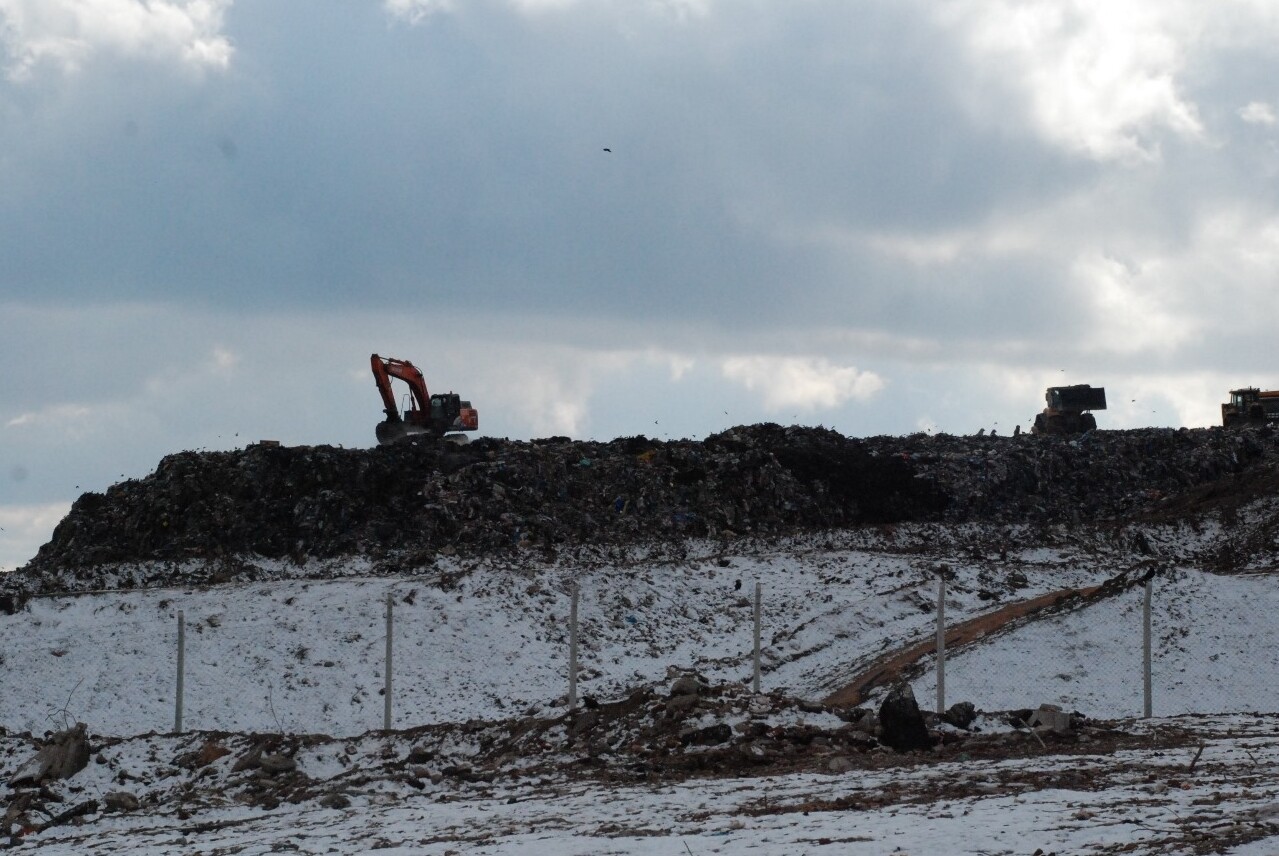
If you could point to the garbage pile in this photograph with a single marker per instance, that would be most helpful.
(422, 498)
(1097, 476)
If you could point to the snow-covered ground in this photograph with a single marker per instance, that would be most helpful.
(488, 642)
(1159, 799)
(479, 641)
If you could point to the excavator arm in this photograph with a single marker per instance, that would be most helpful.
(385, 368)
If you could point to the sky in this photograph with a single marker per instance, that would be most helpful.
(603, 218)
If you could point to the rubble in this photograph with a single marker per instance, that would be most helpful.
(630, 741)
(62, 755)
(961, 714)
(1050, 717)
(200, 515)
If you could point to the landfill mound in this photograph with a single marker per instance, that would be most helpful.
(421, 498)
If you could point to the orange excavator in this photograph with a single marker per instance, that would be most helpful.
(437, 415)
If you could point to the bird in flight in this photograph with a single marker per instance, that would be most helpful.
(610, 151)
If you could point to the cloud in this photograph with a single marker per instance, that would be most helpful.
(550, 390)
(63, 417)
(551, 403)
(1098, 78)
(417, 11)
(1258, 113)
(23, 528)
(65, 34)
(1132, 313)
(807, 383)
(222, 362)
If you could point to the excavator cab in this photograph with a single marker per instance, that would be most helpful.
(449, 409)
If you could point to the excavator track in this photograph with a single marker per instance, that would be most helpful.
(389, 431)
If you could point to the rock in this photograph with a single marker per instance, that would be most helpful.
(901, 724)
(209, 752)
(62, 756)
(960, 715)
(711, 735)
(120, 801)
(868, 721)
(275, 764)
(686, 685)
(334, 800)
(248, 761)
(861, 739)
(680, 705)
(583, 723)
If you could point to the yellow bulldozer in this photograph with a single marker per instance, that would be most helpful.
(1067, 410)
(1250, 406)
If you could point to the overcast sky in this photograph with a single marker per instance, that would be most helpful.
(885, 217)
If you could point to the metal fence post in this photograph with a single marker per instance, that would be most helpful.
(941, 638)
(572, 650)
(758, 611)
(390, 627)
(1145, 649)
(182, 648)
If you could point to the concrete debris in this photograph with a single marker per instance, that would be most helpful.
(1050, 717)
(63, 754)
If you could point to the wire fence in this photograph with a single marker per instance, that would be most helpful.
(1180, 641)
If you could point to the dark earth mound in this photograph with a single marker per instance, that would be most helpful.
(421, 497)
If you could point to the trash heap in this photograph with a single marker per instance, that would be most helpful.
(1098, 476)
(421, 498)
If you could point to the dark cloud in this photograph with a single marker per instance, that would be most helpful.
(456, 165)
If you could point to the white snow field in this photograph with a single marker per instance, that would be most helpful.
(481, 642)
